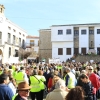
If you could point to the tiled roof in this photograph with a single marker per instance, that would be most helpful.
(29, 36)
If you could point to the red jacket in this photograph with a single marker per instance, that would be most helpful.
(95, 81)
(50, 83)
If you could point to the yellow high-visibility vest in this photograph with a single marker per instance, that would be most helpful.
(13, 98)
(71, 81)
(42, 80)
(35, 83)
(19, 77)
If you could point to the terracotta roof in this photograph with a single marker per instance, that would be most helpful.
(29, 36)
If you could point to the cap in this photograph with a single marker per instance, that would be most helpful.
(90, 67)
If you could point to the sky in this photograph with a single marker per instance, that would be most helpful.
(33, 15)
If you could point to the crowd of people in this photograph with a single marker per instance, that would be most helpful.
(66, 81)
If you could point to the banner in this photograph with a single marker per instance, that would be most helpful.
(13, 60)
(55, 61)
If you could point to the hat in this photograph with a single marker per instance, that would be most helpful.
(90, 67)
(23, 86)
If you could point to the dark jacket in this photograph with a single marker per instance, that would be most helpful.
(18, 97)
(88, 89)
(5, 92)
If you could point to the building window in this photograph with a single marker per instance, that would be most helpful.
(76, 51)
(98, 31)
(83, 51)
(23, 35)
(9, 38)
(13, 39)
(38, 43)
(16, 53)
(19, 41)
(9, 52)
(19, 33)
(9, 28)
(60, 51)
(23, 44)
(0, 35)
(8, 35)
(31, 42)
(91, 31)
(60, 32)
(1, 10)
(98, 50)
(76, 32)
(68, 31)
(91, 43)
(14, 30)
(68, 51)
(83, 32)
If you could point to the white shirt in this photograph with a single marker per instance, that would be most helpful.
(12, 87)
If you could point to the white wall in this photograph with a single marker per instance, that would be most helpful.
(96, 38)
(36, 46)
(5, 30)
(64, 45)
(66, 41)
(64, 36)
(83, 38)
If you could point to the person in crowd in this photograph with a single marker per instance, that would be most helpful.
(42, 83)
(50, 82)
(59, 92)
(5, 71)
(72, 68)
(98, 71)
(90, 91)
(1, 71)
(21, 76)
(5, 91)
(94, 78)
(23, 91)
(35, 83)
(12, 84)
(47, 75)
(13, 67)
(76, 93)
(55, 78)
(70, 79)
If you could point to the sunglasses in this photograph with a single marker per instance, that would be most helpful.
(25, 90)
(89, 69)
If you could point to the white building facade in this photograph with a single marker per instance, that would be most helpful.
(32, 44)
(68, 40)
(12, 37)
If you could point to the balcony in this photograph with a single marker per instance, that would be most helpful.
(9, 41)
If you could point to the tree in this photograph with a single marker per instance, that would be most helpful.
(23, 54)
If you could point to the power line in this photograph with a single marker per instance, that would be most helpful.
(45, 18)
